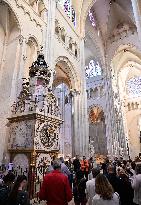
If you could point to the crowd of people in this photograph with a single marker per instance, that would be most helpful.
(116, 182)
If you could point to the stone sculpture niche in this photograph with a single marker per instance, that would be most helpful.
(35, 120)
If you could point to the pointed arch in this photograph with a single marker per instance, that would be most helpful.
(123, 55)
(68, 68)
(31, 54)
(13, 10)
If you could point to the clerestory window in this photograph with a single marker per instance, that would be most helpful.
(69, 10)
(93, 69)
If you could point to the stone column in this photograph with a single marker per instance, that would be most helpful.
(84, 126)
(108, 116)
(23, 43)
(49, 38)
(75, 123)
(14, 87)
(137, 15)
(109, 111)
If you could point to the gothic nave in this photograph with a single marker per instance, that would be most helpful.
(70, 79)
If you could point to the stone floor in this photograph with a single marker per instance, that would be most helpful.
(34, 202)
(71, 203)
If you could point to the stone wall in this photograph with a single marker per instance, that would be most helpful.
(20, 22)
(27, 25)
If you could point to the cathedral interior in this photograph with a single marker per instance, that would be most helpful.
(70, 79)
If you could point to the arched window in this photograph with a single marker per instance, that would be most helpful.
(31, 54)
(67, 7)
(69, 10)
(93, 69)
(134, 87)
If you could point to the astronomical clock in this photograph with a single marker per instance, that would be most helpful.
(35, 121)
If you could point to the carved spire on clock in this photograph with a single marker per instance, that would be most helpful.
(36, 94)
(40, 69)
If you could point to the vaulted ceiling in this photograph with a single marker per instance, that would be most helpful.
(108, 13)
(112, 15)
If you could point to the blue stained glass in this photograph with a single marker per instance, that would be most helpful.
(67, 7)
(69, 10)
(93, 69)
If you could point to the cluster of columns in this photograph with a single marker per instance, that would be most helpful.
(80, 139)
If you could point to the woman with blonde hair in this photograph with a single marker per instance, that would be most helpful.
(104, 192)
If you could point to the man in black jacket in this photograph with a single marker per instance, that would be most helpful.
(76, 164)
(113, 179)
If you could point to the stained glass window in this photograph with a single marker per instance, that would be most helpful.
(92, 19)
(134, 87)
(93, 69)
(66, 5)
(69, 10)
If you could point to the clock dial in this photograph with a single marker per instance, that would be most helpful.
(47, 138)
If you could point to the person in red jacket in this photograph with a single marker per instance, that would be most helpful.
(85, 167)
(55, 188)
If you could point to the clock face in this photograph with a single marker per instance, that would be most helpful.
(47, 137)
(20, 135)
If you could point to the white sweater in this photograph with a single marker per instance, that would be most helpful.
(90, 190)
(97, 200)
(136, 185)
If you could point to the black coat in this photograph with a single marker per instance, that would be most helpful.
(126, 192)
(22, 199)
(114, 181)
(122, 186)
(79, 191)
(76, 164)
